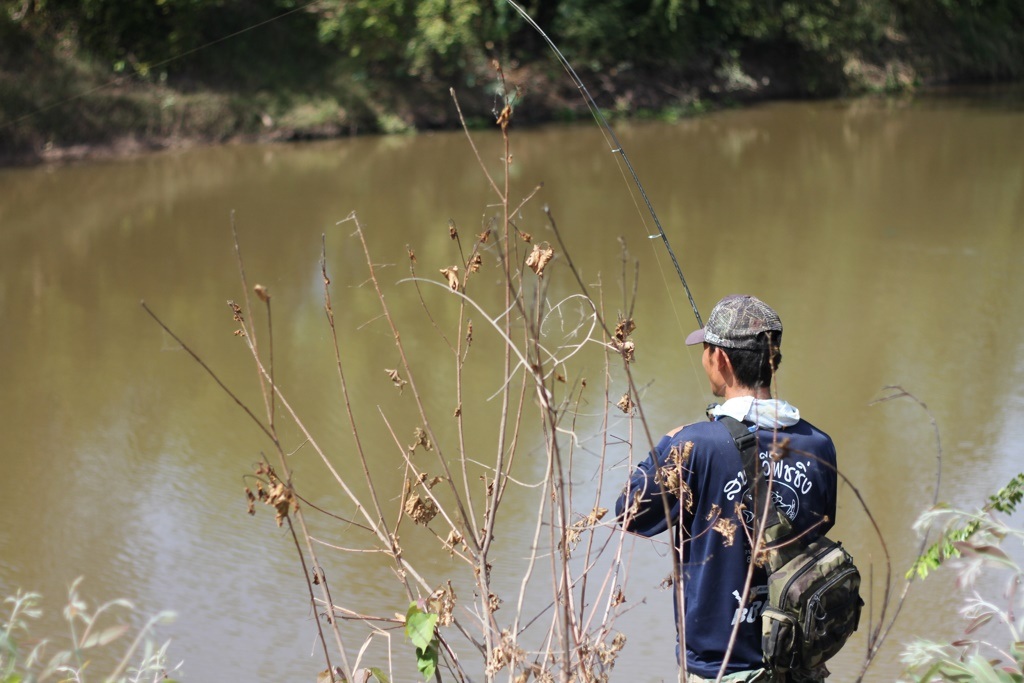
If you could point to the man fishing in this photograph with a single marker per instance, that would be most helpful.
(694, 484)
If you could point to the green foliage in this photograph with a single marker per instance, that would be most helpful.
(419, 628)
(970, 39)
(445, 38)
(978, 538)
(214, 41)
(405, 37)
(89, 629)
(944, 664)
(955, 535)
(386, 65)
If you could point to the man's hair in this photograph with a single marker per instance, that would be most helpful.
(755, 368)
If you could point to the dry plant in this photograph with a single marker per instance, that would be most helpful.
(455, 497)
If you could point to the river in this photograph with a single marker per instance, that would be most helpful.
(889, 234)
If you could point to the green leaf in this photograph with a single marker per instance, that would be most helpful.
(984, 671)
(978, 622)
(426, 661)
(378, 674)
(104, 637)
(419, 627)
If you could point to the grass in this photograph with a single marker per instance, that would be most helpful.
(95, 635)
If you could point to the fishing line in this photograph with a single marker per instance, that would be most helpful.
(157, 65)
(616, 148)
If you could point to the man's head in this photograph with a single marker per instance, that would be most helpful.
(749, 333)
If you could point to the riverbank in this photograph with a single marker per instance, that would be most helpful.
(87, 117)
(61, 102)
(88, 80)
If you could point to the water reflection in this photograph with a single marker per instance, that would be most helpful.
(887, 234)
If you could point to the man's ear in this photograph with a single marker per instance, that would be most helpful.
(721, 362)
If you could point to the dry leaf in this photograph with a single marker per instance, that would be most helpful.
(610, 652)
(412, 255)
(419, 510)
(262, 293)
(452, 232)
(625, 404)
(475, 262)
(421, 439)
(526, 237)
(626, 349)
(280, 496)
(326, 677)
(575, 531)
(482, 237)
(452, 273)
(670, 474)
(624, 329)
(539, 258)
(504, 117)
(506, 653)
(236, 310)
(442, 603)
(395, 378)
(727, 528)
(454, 538)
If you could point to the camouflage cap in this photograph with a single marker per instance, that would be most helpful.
(735, 322)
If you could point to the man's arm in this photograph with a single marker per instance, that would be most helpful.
(645, 506)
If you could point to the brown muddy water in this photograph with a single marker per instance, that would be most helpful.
(889, 236)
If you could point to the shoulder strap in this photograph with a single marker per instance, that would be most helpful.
(777, 526)
(745, 438)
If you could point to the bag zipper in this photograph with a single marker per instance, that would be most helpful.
(815, 598)
(784, 602)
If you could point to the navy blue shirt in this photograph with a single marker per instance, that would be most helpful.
(706, 520)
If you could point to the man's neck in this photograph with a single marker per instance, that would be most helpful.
(737, 391)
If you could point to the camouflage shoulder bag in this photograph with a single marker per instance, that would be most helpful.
(814, 601)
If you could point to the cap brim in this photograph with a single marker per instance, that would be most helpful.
(695, 337)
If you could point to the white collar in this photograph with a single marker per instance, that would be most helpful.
(770, 413)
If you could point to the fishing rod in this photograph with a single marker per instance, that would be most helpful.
(616, 149)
